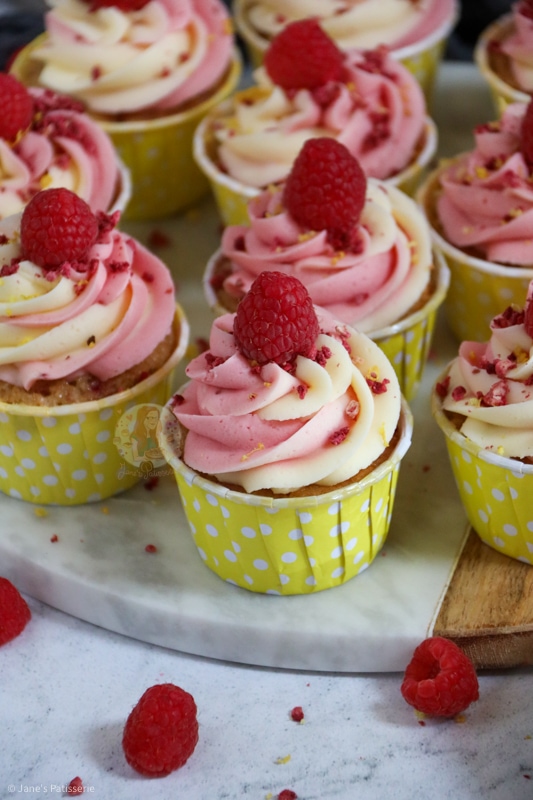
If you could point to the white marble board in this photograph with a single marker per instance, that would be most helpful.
(98, 569)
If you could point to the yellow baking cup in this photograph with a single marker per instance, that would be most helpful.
(406, 343)
(495, 491)
(479, 290)
(67, 455)
(502, 93)
(232, 196)
(287, 546)
(158, 152)
(421, 59)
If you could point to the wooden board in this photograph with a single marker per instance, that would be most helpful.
(488, 607)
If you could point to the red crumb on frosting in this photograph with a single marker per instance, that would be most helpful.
(339, 436)
(458, 393)
(377, 387)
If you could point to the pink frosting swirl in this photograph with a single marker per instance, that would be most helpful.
(101, 317)
(377, 111)
(158, 57)
(322, 422)
(63, 147)
(490, 384)
(369, 288)
(519, 47)
(486, 201)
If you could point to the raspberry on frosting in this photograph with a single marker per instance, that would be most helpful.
(122, 5)
(57, 226)
(17, 107)
(302, 56)
(276, 320)
(326, 190)
(527, 136)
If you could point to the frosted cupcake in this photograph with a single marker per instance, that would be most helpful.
(309, 88)
(147, 71)
(89, 329)
(286, 444)
(46, 141)
(480, 207)
(504, 55)
(416, 32)
(484, 404)
(361, 248)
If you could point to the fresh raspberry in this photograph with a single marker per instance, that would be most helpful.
(161, 732)
(326, 190)
(14, 612)
(527, 136)
(297, 714)
(275, 320)
(17, 107)
(302, 56)
(440, 679)
(122, 5)
(526, 8)
(57, 226)
(287, 794)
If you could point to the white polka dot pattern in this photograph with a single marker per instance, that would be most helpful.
(69, 459)
(305, 546)
(497, 500)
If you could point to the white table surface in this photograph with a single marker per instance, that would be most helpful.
(66, 688)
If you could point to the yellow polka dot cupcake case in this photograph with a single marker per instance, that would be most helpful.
(287, 546)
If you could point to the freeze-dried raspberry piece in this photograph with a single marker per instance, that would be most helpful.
(303, 56)
(440, 679)
(14, 612)
(276, 320)
(326, 190)
(161, 732)
(122, 5)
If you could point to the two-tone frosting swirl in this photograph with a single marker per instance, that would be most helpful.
(518, 47)
(486, 197)
(101, 317)
(119, 62)
(370, 287)
(378, 111)
(354, 23)
(490, 384)
(268, 428)
(62, 147)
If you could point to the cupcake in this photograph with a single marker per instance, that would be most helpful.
(365, 99)
(47, 141)
(286, 444)
(480, 208)
(147, 71)
(416, 32)
(361, 248)
(90, 330)
(504, 55)
(483, 402)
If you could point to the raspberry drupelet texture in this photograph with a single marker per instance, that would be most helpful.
(161, 732)
(302, 56)
(122, 5)
(57, 226)
(440, 679)
(14, 612)
(326, 190)
(17, 107)
(276, 320)
(527, 136)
